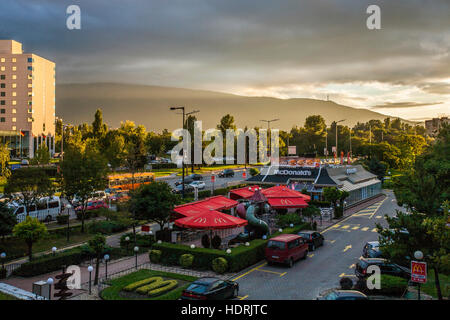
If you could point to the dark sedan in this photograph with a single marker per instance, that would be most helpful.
(226, 173)
(313, 238)
(385, 266)
(372, 250)
(187, 188)
(210, 289)
(344, 295)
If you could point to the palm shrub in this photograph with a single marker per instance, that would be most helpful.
(216, 242)
(205, 241)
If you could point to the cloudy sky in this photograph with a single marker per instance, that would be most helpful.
(283, 48)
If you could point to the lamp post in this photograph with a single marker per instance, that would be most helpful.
(3, 256)
(68, 207)
(50, 283)
(127, 242)
(136, 249)
(54, 251)
(150, 233)
(106, 257)
(419, 256)
(337, 149)
(182, 160)
(90, 269)
(268, 130)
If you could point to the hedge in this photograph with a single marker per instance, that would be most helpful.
(106, 227)
(240, 257)
(163, 166)
(142, 240)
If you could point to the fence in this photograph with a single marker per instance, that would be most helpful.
(11, 267)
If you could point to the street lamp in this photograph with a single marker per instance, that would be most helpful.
(136, 249)
(68, 207)
(50, 283)
(127, 241)
(54, 251)
(106, 257)
(182, 160)
(268, 130)
(419, 256)
(3, 256)
(337, 150)
(90, 269)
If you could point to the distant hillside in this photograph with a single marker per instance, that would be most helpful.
(149, 105)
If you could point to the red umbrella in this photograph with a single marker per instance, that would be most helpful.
(211, 220)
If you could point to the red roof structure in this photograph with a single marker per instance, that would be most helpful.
(211, 220)
(273, 192)
(243, 193)
(208, 204)
(286, 203)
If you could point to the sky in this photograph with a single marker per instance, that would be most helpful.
(284, 48)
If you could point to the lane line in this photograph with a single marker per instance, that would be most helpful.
(242, 298)
(355, 228)
(269, 271)
(244, 274)
(346, 227)
(374, 230)
(365, 229)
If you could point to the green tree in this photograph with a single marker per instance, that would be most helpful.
(334, 195)
(30, 230)
(97, 245)
(99, 129)
(227, 122)
(7, 220)
(31, 182)
(82, 173)
(4, 159)
(42, 155)
(154, 202)
(310, 212)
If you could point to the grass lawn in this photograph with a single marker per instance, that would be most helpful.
(203, 169)
(113, 292)
(4, 296)
(430, 287)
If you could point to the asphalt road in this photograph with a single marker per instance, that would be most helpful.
(325, 266)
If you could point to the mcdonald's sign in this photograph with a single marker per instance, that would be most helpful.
(418, 272)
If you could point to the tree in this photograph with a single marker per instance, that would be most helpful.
(7, 220)
(332, 194)
(154, 202)
(311, 211)
(99, 129)
(30, 230)
(42, 155)
(4, 159)
(82, 173)
(227, 122)
(98, 245)
(32, 183)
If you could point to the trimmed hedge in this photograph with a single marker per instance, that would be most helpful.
(163, 165)
(240, 257)
(169, 285)
(219, 265)
(106, 227)
(186, 260)
(155, 256)
(133, 286)
(390, 286)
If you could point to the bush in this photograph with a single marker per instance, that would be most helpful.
(106, 227)
(155, 256)
(205, 241)
(346, 283)
(2, 273)
(254, 171)
(168, 286)
(216, 242)
(133, 286)
(390, 286)
(186, 260)
(320, 204)
(219, 265)
(142, 240)
(284, 220)
(62, 218)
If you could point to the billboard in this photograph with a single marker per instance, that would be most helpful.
(299, 161)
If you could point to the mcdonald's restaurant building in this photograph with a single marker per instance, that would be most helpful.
(358, 182)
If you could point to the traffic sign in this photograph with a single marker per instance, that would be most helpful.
(418, 272)
(244, 174)
(145, 228)
(213, 178)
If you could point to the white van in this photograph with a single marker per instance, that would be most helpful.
(46, 209)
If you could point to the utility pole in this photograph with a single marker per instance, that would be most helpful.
(337, 149)
(184, 127)
(268, 130)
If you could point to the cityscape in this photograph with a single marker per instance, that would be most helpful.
(244, 152)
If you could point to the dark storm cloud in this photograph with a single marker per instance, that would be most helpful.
(254, 43)
(390, 105)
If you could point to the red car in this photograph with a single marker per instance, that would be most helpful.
(120, 197)
(286, 248)
(92, 205)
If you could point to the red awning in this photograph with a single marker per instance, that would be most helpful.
(286, 203)
(284, 192)
(212, 203)
(211, 220)
(243, 193)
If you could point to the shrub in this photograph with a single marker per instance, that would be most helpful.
(106, 227)
(205, 241)
(155, 256)
(2, 273)
(390, 286)
(186, 260)
(142, 240)
(169, 285)
(219, 265)
(147, 289)
(62, 218)
(216, 242)
(221, 192)
(284, 220)
(133, 286)
(254, 171)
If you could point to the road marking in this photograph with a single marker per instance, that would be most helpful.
(346, 227)
(352, 266)
(378, 217)
(365, 229)
(355, 228)
(374, 230)
(332, 241)
(242, 298)
(270, 271)
(311, 255)
(347, 247)
(244, 274)
(346, 275)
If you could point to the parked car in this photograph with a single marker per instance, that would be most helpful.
(120, 197)
(200, 185)
(211, 289)
(385, 266)
(93, 205)
(344, 295)
(286, 248)
(372, 250)
(314, 239)
(187, 180)
(187, 188)
(226, 173)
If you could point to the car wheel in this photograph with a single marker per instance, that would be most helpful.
(235, 292)
(291, 262)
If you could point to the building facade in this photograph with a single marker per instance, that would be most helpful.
(27, 100)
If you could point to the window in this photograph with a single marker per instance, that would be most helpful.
(2, 68)
(14, 94)
(2, 110)
(14, 102)
(53, 204)
(2, 77)
(14, 111)
(14, 60)
(14, 85)
(2, 119)
(14, 120)
(2, 85)
(30, 85)
(276, 245)
(2, 60)
(30, 60)
(13, 128)
(14, 77)
(30, 68)
(2, 94)
(14, 68)
(2, 102)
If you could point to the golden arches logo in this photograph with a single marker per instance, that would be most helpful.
(286, 202)
(418, 268)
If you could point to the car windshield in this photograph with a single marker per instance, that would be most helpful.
(90, 204)
(331, 296)
(198, 287)
(276, 245)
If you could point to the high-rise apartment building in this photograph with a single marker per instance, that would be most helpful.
(27, 100)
